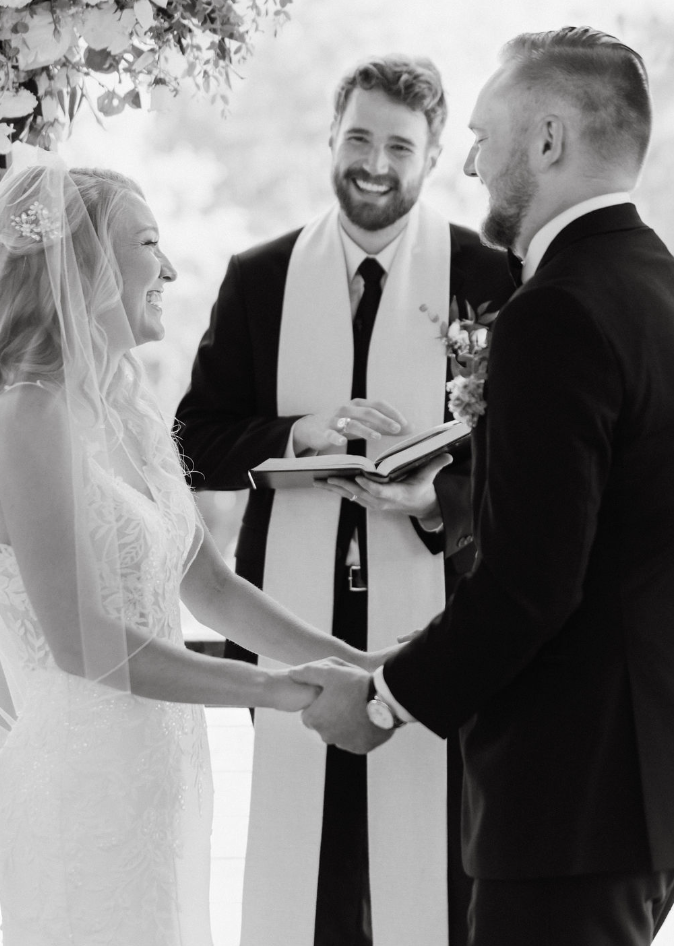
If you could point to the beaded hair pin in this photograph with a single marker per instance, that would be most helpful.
(36, 223)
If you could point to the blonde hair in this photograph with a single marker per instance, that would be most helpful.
(30, 336)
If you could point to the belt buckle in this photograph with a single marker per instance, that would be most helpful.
(356, 582)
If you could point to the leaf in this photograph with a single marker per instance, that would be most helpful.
(454, 313)
(488, 319)
(144, 13)
(143, 61)
(444, 327)
(483, 307)
(100, 60)
(132, 98)
(110, 103)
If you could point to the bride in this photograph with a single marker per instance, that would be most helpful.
(105, 783)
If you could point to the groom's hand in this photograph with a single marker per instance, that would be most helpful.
(338, 712)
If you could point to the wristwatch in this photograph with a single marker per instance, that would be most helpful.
(379, 712)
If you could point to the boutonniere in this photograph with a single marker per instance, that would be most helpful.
(467, 344)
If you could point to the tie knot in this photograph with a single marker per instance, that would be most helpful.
(371, 271)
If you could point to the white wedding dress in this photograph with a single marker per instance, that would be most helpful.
(105, 797)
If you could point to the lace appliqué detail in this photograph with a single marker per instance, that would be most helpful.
(106, 798)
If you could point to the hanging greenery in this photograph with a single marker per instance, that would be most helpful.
(116, 54)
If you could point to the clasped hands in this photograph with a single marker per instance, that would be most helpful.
(369, 420)
(338, 712)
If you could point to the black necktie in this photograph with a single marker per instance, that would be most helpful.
(352, 516)
(363, 322)
(515, 267)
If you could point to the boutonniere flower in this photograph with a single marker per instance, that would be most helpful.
(466, 341)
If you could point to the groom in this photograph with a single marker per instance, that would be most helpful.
(555, 657)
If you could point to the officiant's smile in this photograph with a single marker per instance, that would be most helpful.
(382, 152)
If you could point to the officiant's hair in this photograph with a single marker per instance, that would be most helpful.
(412, 81)
(598, 74)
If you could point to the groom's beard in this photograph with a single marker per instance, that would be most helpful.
(511, 195)
(368, 215)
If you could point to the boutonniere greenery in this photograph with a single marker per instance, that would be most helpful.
(466, 341)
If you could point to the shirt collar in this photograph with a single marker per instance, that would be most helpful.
(547, 233)
(354, 255)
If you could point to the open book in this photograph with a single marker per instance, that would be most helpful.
(391, 465)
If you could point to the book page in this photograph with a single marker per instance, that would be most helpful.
(414, 439)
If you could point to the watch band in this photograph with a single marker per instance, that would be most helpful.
(373, 696)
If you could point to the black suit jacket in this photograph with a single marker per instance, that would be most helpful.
(229, 418)
(556, 655)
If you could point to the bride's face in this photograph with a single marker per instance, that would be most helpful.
(144, 269)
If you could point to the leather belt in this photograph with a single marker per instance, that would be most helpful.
(355, 579)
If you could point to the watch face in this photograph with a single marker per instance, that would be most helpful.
(380, 715)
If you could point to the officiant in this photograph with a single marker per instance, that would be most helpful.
(327, 339)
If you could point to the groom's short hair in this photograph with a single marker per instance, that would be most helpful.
(602, 77)
(412, 81)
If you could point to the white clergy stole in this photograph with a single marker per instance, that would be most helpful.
(407, 776)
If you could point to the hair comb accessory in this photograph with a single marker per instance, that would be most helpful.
(36, 223)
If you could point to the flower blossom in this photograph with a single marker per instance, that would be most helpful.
(17, 103)
(5, 137)
(466, 398)
(107, 27)
(45, 40)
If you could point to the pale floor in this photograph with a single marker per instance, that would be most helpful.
(230, 735)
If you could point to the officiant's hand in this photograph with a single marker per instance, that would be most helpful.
(338, 713)
(413, 496)
(357, 419)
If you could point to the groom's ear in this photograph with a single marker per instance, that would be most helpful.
(550, 141)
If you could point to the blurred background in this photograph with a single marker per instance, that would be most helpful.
(219, 185)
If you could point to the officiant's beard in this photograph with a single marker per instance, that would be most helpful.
(370, 216)
(511, 194)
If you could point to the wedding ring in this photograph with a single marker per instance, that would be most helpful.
(352, 498)
(343, 423)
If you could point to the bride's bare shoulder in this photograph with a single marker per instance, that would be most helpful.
(31, 409)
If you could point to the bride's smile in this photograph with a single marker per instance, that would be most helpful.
(144, 269)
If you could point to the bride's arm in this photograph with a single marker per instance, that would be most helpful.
(37, 499)
(238, 610)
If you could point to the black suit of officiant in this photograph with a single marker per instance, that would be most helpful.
(556, 655)
(230, 423)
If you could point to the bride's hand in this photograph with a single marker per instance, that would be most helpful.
(375, 658)
(288, 696)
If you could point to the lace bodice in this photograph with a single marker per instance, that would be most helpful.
(105, 797)
(153, 536)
